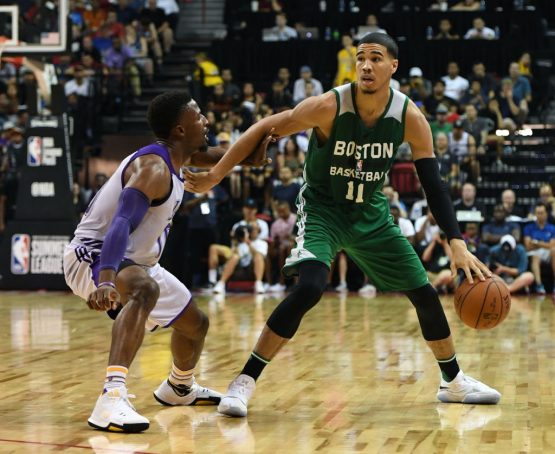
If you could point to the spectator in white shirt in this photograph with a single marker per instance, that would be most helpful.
(407, 229)
(299, 89)
(479, 30)
(455, 85)
(79, 85)
(281, 30)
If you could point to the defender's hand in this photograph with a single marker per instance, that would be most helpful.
(199, 182)
(258, 157)
(103, 298)
(463, 259)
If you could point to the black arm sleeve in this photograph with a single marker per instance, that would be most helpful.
(438, 196)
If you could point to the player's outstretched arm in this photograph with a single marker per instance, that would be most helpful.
(419, 135)
(146, 179)
(314, 112)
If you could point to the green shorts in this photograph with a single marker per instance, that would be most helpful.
(366, 233)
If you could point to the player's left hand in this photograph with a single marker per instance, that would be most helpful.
(466, 261)
(258, 157)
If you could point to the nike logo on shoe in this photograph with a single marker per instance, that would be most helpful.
(180, 390)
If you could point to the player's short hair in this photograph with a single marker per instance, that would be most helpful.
(382, 39)
(164, 111)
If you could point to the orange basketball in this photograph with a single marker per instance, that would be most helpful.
(483, 305)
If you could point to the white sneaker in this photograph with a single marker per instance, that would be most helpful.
(113, 412)
(368, 290)
(277, 288)
(259, 287)
(235, 401)
(168, 394)
(219, 288)
(466, 390)
(342, 287)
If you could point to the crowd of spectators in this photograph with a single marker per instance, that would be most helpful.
(244, 228)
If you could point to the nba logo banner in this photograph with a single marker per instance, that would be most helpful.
(21, 252)
(34, 151)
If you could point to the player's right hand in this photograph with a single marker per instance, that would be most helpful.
(103, 298)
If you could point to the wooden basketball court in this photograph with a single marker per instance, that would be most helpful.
(358, 378)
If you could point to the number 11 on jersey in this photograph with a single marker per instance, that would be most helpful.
(351, 190)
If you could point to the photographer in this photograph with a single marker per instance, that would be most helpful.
(510, 262)
(248, 255)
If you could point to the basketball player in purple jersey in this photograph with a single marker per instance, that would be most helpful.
(113, 261)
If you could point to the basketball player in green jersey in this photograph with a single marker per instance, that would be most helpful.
(356, 131)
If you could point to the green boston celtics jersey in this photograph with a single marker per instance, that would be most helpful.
(352, 165)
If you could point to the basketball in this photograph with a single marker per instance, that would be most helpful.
(484, 304)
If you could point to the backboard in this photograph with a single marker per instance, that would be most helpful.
(33, 28)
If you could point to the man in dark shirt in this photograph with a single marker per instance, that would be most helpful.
(286, 189)
(494, 231)
(438, 97)
(509, 261)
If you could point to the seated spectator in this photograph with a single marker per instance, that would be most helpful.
(79, 85)
(436, 259)
(371, 26)
(393, 199)
(154, 19)
(103, 39)
(281, 31)
(218, 101)
(87, 47)
(285, 189)
(279, 99)
(479, 30)
(7, 74)
(420, 207)
(539, 240)
(250, 100)
(525, 65)
(448, 164)
(426, 228)
(247, 255)
(546, 197)
(405, 225)
(441, 125)
(95, 17)
(521, 85)
(116, 28)
(471, 237)
(474, 96)
(231, 90)
(509, 261)
(282, 240)
(438, 97)
(291, 153)
(487, 82)
(463, 147)
(445, 30)
(508, 105)
(171, 9)
(346, 61)
(455, 85)
(477, 126)
(138, 47)
(420, 88)
(468, 201)
(492, 232)
(514, 212)
(467, 5)
(284, 76)
(119, 61)
(126, 13)
(299, 89)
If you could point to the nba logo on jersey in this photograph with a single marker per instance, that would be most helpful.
(34, 151)
(21, 251)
